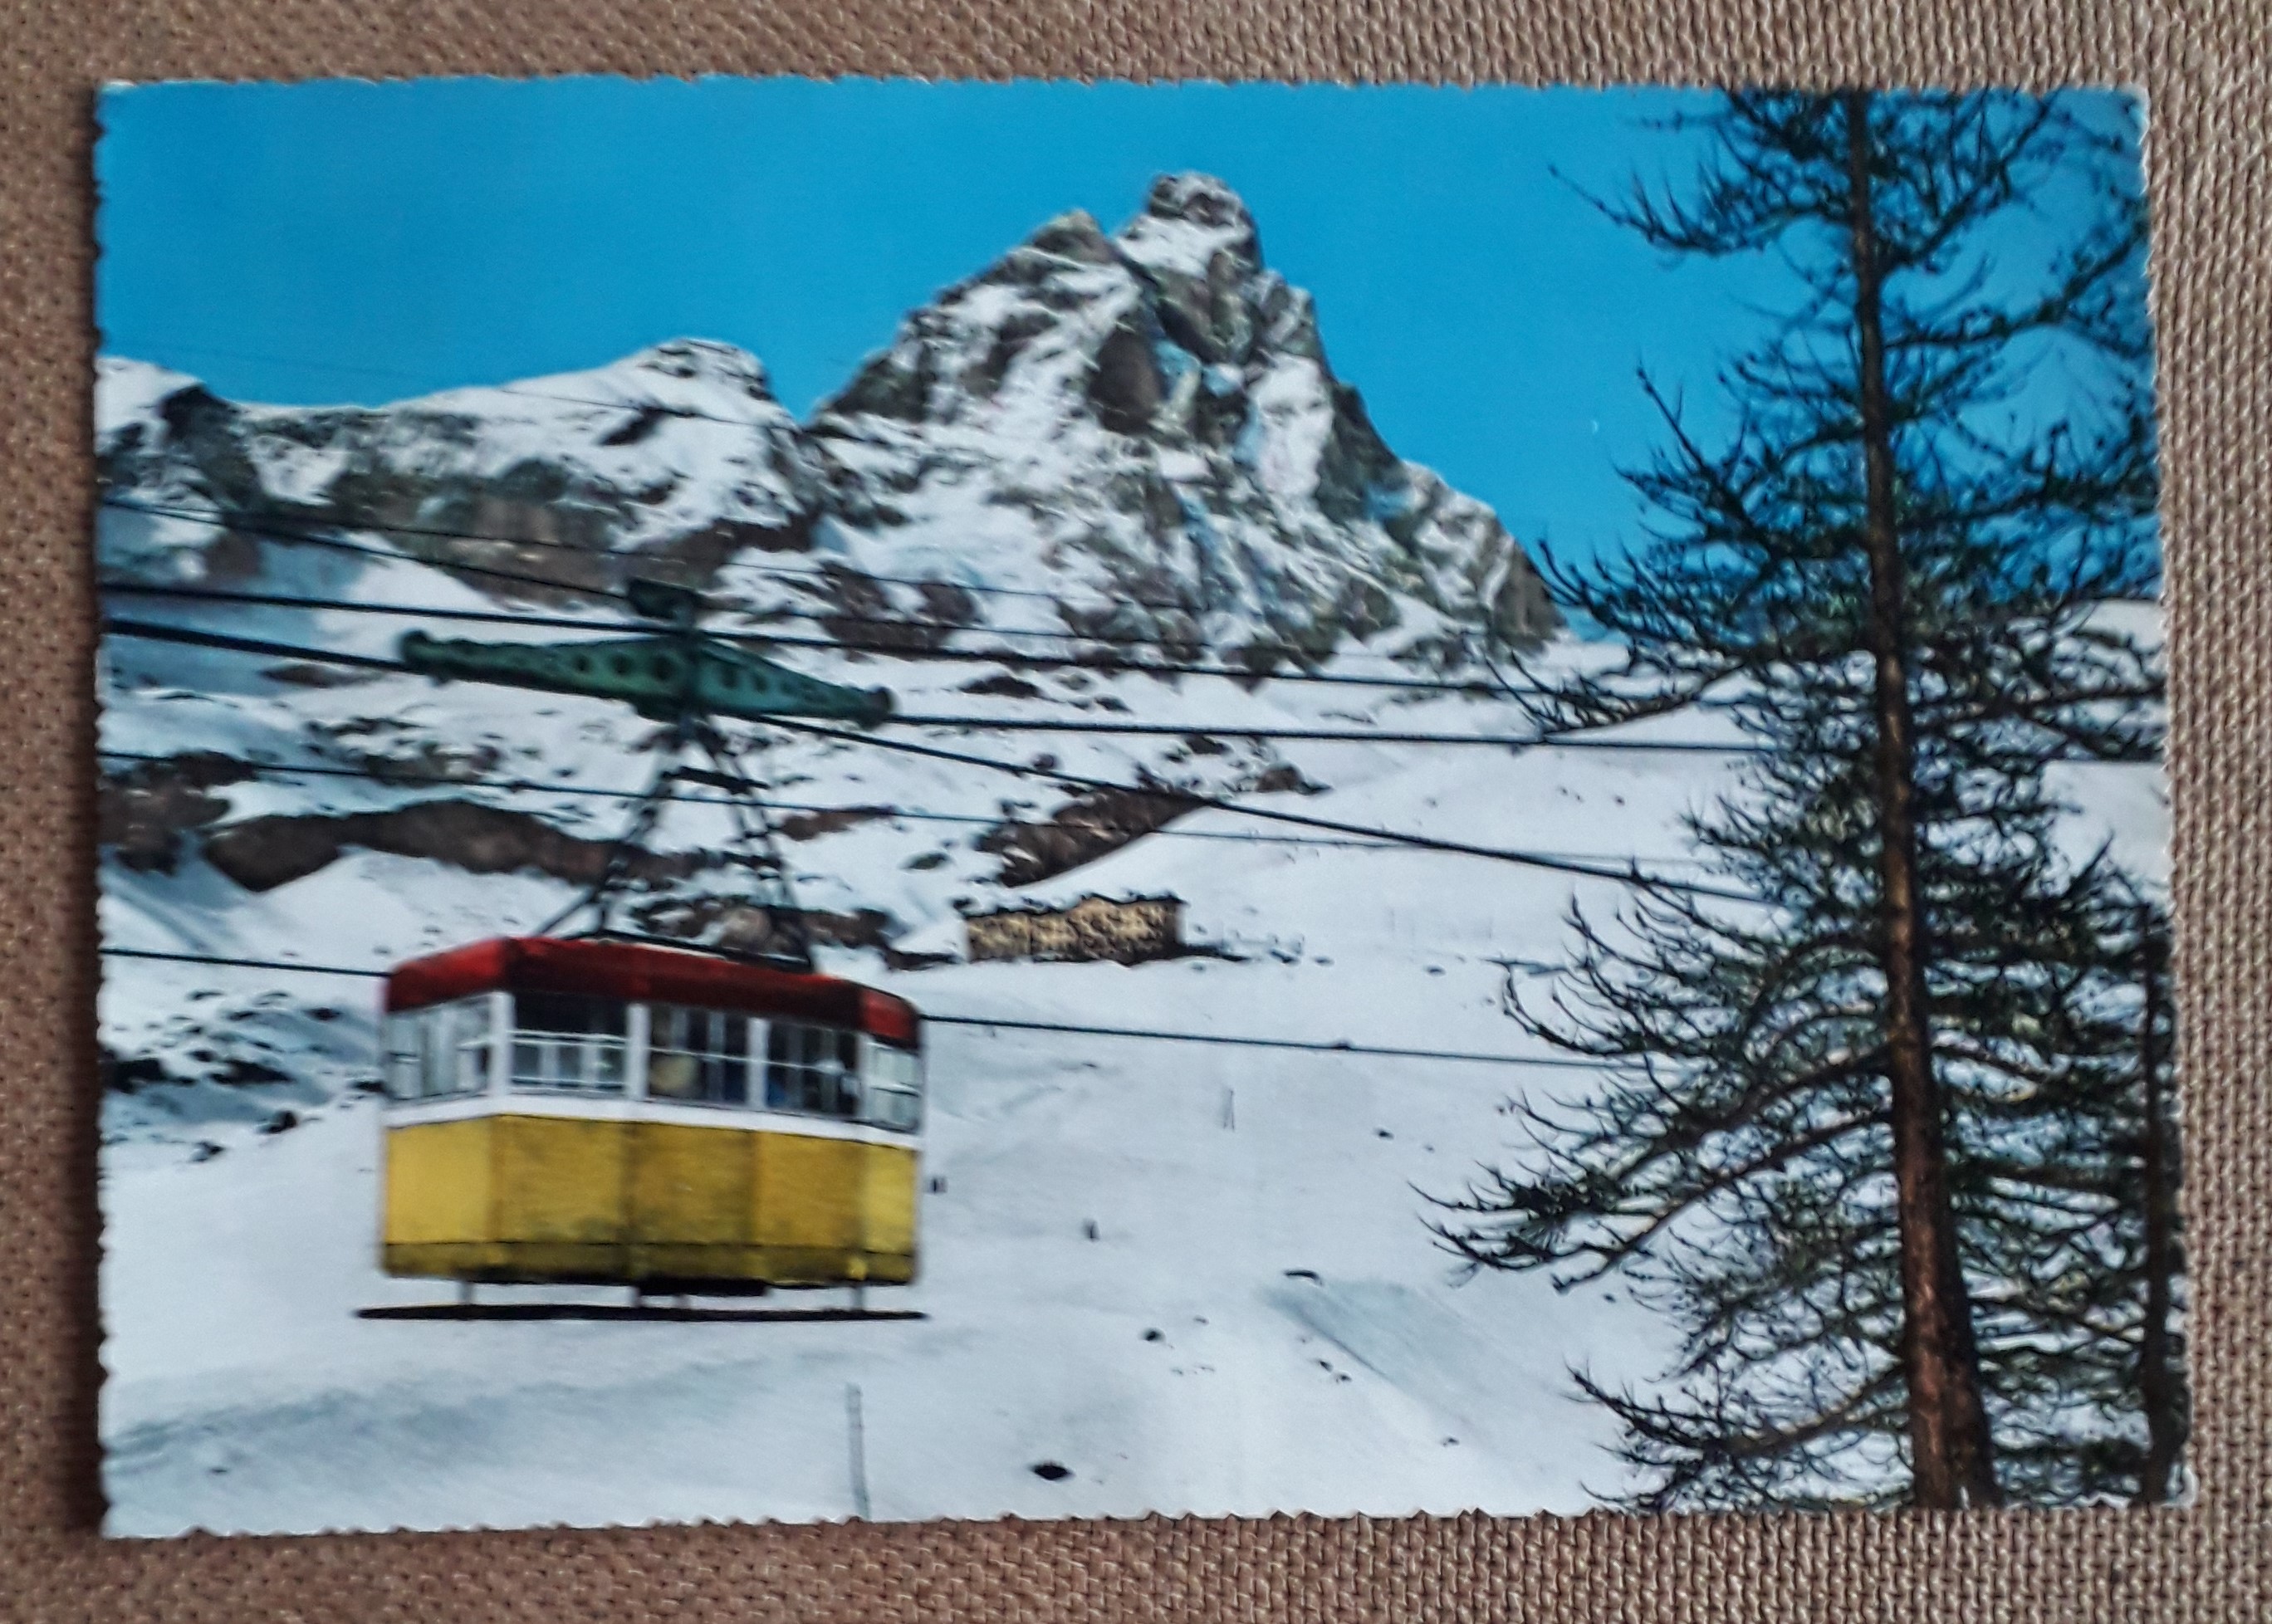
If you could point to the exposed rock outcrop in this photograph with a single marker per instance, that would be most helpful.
(141, 811)
(1080, 831)
(261, 853)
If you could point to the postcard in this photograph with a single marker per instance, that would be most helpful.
(895, 801)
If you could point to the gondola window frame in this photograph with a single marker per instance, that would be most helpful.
(725, 1046)
(444, 1051)
(807, 1069)
(568, 1060)
(597, 1048)
(894, 1079)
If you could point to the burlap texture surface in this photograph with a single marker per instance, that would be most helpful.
(2205, 67)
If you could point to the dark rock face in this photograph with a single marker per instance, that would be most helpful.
(1123, 386)
(141, 813)
(812, 825)
(863, 613)
(212, 431)
(262, 854)
(887, 386)
(1080, 831)
(1003, 685)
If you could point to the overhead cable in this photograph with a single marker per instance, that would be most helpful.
(1309, 1046)
(1022, 723)
(270, 527)
(1474, 688)
(1632, 875)
(571, 789)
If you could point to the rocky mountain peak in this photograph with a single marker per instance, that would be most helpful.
(1073, 235)
(1188, 220)
(1148, 419)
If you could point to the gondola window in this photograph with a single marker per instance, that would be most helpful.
(699, 1054)
(439, 1051)
(894, 1087)
(812, 1069)
(563, 1041)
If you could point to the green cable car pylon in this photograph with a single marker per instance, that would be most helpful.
(684, 678)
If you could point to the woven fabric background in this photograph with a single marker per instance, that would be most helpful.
(2208, 68)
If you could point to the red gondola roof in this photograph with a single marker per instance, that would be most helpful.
(638, 972)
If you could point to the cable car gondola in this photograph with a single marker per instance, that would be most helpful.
(609, 1112)
(603, 1110)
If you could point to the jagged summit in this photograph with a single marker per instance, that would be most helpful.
(1204, 200)
(1136, 432)
(1189, 222)
(1148, 419)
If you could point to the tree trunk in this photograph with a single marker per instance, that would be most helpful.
(2158, 1388)
(1951, 1453)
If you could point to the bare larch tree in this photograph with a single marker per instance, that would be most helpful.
(1886, 1143)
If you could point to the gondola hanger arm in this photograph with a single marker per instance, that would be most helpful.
(670, 676)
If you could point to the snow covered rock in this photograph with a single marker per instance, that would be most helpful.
(679, 451)
(1145, 424)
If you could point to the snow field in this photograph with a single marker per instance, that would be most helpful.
(243, 1393)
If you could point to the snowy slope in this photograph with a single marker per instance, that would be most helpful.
(1382, 1386)
(1208, 1172)
(244, 1395)
(1377, 1387)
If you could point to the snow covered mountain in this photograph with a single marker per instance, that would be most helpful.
(1149, 417)
(678, 455)
(1132, 435)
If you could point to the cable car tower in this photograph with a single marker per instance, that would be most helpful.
(684, 678)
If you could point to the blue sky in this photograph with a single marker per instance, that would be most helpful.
(347, 240)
